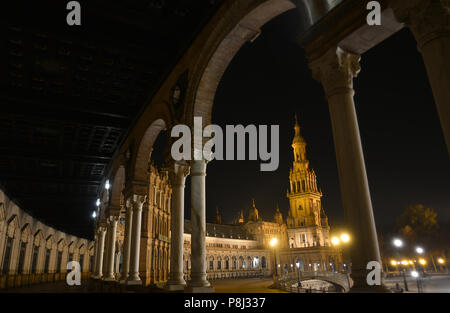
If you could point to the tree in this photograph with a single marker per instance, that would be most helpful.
(418, 224)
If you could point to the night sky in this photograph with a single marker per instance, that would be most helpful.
(405, 153)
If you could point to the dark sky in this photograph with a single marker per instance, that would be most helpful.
(405, 153)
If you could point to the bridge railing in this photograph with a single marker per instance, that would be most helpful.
(288, 281)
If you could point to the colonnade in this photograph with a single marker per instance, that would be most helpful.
(335, 70)
(32, 252)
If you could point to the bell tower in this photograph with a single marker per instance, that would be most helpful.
(304, 195)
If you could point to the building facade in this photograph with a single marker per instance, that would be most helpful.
(32, 252)
(240, 249)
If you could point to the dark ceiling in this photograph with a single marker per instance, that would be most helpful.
(69, 94)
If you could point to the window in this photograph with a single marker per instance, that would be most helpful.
(91, 263)
(211, 265)
(23, 248)
(47, 260)
(6, 259)
(219, 265)
(35, 257)
(263, 262)
(70, 257)
(58, 262)
(227, 264)
(81, 262)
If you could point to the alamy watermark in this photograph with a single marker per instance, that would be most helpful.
(74, 275)
(185, 149)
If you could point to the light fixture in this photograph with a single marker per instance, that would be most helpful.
(107, 185)
(441, 261)
(422, 261)
(98, 202)
(393, 262)
(397, 242)
(345, 238)
(414, 274)
(335, 241)
(94, 214)
(273, 242)
(419, 250)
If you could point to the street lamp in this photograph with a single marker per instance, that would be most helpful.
(98, 202)
(273, 242)
(441, 261)
(345, 238)
(398, 243)
(299, 275)
(419, 250)
(107, 185)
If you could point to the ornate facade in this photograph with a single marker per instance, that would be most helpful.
(240, 249)
(32, 252)
(307, 222)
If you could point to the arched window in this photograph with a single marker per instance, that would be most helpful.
(7, 257)
(263, 262)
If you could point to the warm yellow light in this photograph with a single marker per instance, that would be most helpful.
(404, 262)
(422, 261)
(335, 241)
(394, 263)
(273, 242)
(410, 262)
(441, 261)
(345, 238)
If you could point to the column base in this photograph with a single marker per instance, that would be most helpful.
(174, 287)
(110, 279)
(134, 282)
(200, 289)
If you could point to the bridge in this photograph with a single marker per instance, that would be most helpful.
(289, 282)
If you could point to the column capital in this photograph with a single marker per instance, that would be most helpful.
(428, 19)
(198, 167)
(136, 202)
(178, 171)
(336, 70)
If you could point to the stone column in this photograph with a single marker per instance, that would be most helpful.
(198, 282)
(429, 20)
(178, 173)
(94, 267)
(101, 247)
(127, 243)
(109, 271)
(138, 202)
(336, 70)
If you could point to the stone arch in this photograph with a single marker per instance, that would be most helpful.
(12, 229)
(144, 150)
(228, 41)
(118, 184)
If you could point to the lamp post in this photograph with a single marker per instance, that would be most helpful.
(273, 243)
(299, 274)
(398, 243)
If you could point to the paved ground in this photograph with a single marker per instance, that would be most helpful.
(432, 284)
(248, 285)
(59, 287)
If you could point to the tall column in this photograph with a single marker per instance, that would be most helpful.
(94, 266)
(127, 243)
(106, 250)
(429, 20)
(109, 271)
(101, 246)
(178, 173)
(336, 70)
(198, 282)
(138, 202)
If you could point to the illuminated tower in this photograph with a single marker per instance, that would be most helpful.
(306, 212)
